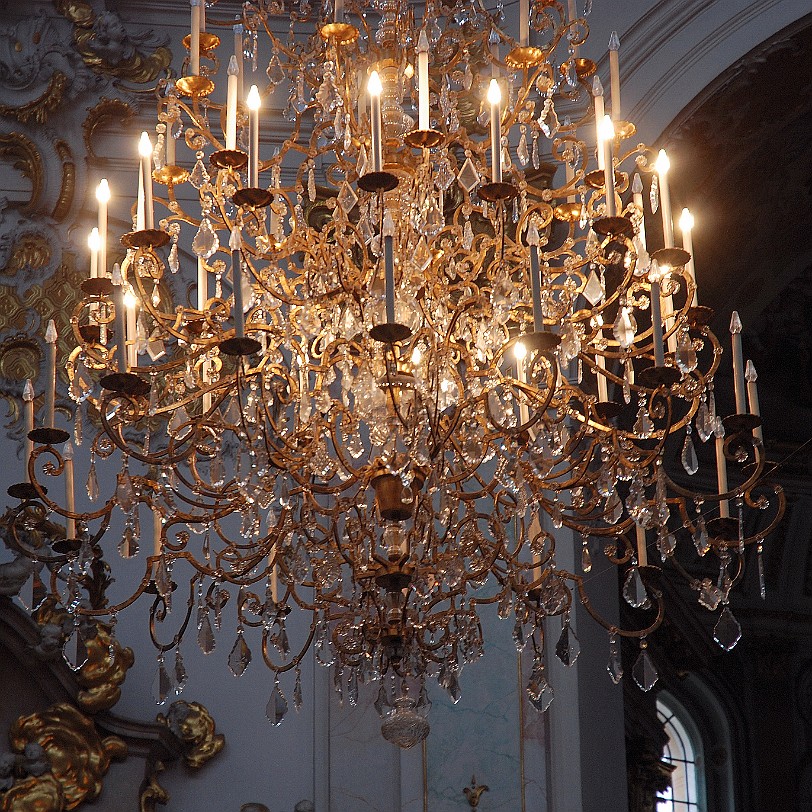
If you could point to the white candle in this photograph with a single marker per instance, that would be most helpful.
(103, 198)
(520, 351)
(738, 361)
(338, 11)
(275, 582)
(524, 23)
(614, 74)
(603, 391)
(238, 55)
(642, 553)
(169, 140)
(423, 80)
(145, 151)
(50, 402)
(597, 95)
(751, 376)
(656, 315)
(572, 14)
(93, 244)
(139, 205)
(121, 330)
(374, 88)
(253, 102)
(202, 284)
(235, 244)
(495, 101)
(70, 490)
(721, 476)
(131, 304)
(231, 104)
(157, 531)
(28, 400)
(607, 137)
(194, 45)
(686, 224)
(637, 199)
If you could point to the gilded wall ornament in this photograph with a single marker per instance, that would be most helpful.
(193, 725)
(79, 757)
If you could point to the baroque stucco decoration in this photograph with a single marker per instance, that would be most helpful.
(64, 74)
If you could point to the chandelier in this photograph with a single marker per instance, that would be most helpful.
(429, 343)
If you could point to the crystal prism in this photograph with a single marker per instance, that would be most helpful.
(567, 648)
(74, 650)
(277, 706)
(92, 483)
(162, 686)
(727, 631)
(240, 656)
(347, 198)
(593, 290)
(634, 590)
(539, 692)
(468, 177)
(181, 676)
(688, 457)
(709, 594)
(615, 664)
(644, 672)
(206, 241)
(297, 692)
(205, 633)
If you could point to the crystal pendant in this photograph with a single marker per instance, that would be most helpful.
(593, 290)
(625, 327)
(615, 664)
(539, 691)
(685, 355)
(709, 594)
(519, 638)
(206, 241)
(701, 540)
(382, 704)
(128, 546)
(205, 633)
(181, 676)
(644, 672)
(727, 631)
(586, 559)
(654, 194)
(468, 177)
(162, 686)
(567, 648)
(762, 583)
(277, 706)
(521, 151)
(163, 580)
(347, 198)
(688, 457)
(74, 651)
(297, 692)
(240, 655)
(634, 590)
(643, 426)
(173, 261)
(704, 425)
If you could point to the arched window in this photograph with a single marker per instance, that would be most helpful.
(684, 752)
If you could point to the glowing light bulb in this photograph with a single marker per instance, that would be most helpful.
(519, 350)
(253, 100)
(374, 86)
(145, 146)
(686, 220)
(103, 191)
(606, 129)
(93, 239)
(662, 164)
(494, 93)
(130, 299)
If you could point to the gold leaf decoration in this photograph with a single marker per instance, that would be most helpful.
(192, 724)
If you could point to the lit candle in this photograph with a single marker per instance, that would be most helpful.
(607, 137)
(597, 95)
(614, 74)
(686, 224)
(157, 532)
(738, 361)
(253, 102)
(103, 198)
(721, 476)
(235, 243)
(202, 284)
(145, 151)
(231, 104)
(50, 398)
(93, 243)
(70, 490)
(28, 400)
(423, 80)
(524, 23)
(139, 206)
(662, 165)
(495, 100)
(642, 553)
(751, 376)
(520, 351)
(656, 315)
(238, 55)
(121, 340)
(389, 265)
(374, 88)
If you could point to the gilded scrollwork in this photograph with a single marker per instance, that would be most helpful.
(78, 756)
(106, 110)
(193, 725)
